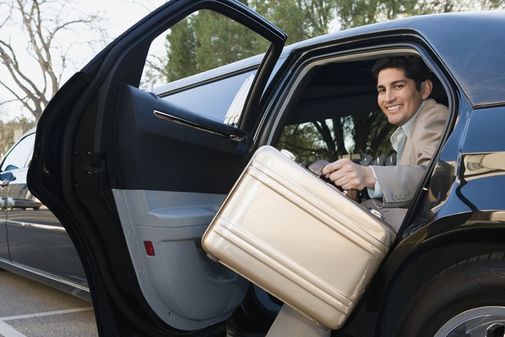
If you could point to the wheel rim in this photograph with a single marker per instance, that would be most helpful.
(474, 322)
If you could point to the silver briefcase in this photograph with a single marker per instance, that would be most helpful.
(298, 238)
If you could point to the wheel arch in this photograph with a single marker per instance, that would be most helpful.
(424, 253)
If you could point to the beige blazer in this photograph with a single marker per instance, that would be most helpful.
(399, 183)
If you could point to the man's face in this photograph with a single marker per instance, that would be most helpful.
(397, 95)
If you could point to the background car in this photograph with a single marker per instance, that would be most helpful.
(136, 176)
(33, 243)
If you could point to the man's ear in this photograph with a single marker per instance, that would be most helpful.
(426, 88)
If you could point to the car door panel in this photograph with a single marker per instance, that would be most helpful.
(36, 238)
(151, 151)
(201, 291)
(169, 202)
(174, 174)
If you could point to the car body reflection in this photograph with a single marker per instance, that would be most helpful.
(33, 243)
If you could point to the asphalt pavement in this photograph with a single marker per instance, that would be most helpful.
(30, 309)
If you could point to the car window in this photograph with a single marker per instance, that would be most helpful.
(333, 114)
(19, 155)
(202, 98)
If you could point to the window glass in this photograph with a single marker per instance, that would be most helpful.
(202, 99)
(19, 155)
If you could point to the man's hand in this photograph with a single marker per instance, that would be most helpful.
(349, 175)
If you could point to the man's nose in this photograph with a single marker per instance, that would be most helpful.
(389, 95)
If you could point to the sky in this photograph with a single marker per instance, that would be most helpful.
(120, 14)
(116, 17)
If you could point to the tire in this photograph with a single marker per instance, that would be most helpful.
(466, 299)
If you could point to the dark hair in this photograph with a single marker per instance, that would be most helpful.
(413, 66)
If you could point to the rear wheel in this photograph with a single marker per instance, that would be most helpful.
(466, 299)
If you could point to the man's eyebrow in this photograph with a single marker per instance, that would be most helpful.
(399, 82)
(381, 86)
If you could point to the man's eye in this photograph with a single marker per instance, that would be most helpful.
(399, 86)
(381, 91)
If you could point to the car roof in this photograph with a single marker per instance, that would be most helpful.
(470, 45)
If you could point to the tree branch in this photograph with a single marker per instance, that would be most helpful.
(23, 101)
(11, 63)
(40, 26)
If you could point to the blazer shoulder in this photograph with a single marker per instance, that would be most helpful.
(432, 109)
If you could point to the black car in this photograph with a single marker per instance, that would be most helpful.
(136, 176)
(32, 241)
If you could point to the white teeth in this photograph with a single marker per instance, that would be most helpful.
(394, 107)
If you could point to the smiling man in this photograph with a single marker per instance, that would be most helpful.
(403, 90)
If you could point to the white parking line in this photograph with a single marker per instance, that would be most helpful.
(7, 331)
(47, 313)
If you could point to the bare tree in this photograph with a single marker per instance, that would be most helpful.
(40, 23)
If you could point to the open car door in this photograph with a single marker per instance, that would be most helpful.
(136, 179)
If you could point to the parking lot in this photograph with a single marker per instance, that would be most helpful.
(30, 309)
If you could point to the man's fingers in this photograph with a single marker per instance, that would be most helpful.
(336, 165)
(331, 167)
(346, 183)
(348, 175)
(343, 180)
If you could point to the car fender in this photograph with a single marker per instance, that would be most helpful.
(425, 252)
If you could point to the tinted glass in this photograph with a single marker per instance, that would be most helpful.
(202, 99)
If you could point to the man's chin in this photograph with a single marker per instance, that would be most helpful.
(394, 121)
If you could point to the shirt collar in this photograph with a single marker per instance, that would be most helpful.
(408, 124)
(403, 131)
